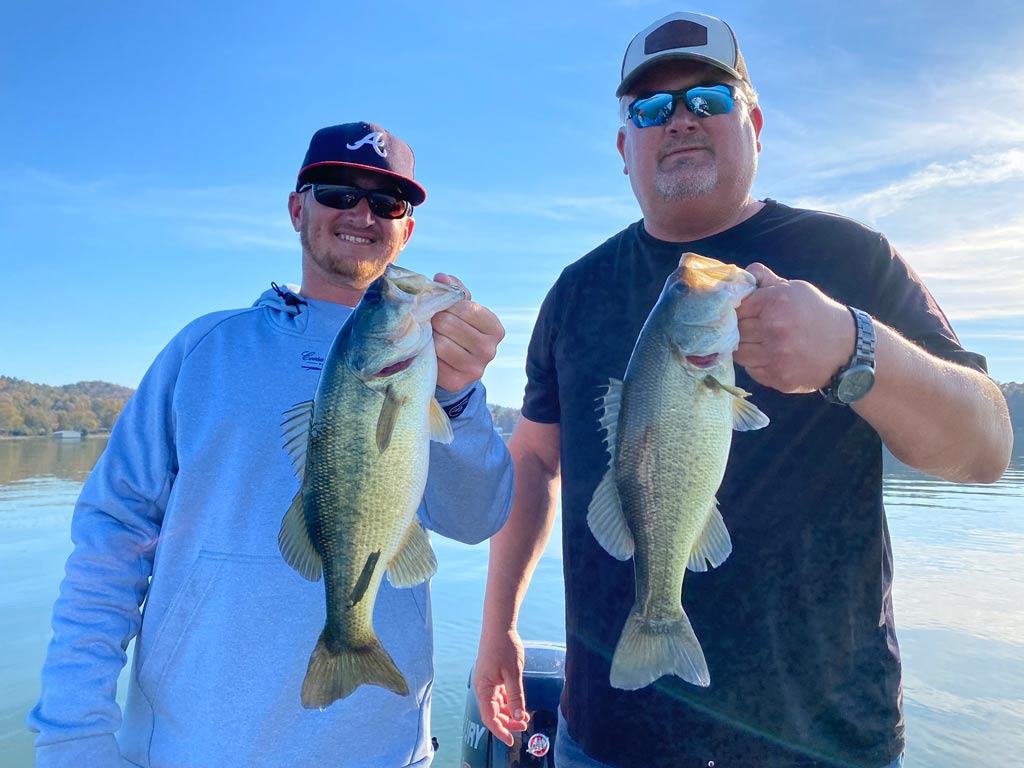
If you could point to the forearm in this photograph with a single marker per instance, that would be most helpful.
(939, 417)
(469, 490)
(115, 529)
(517, 548)
(94, 618)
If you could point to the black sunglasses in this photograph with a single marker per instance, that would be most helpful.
(342, 197)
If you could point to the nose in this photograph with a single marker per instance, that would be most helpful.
(682, 119)
(361, 213)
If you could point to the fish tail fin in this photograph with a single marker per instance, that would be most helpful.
(333, 675)
(650, 648)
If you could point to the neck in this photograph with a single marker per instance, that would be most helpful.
(694, 219)
(326, 285)
(334, 294)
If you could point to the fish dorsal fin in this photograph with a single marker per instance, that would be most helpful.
(295, 428)
(388, 417)
(611, 403)
(439, 423)
(414, 562)
(745, 416)
(295, 544)
(605, 517)
(714, 544)
(607, 521)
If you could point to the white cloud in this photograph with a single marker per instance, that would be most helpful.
(980, 170)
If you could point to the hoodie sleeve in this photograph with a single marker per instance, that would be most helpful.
(469, 488)
(114, 528)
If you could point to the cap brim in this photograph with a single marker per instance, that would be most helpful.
(644, 68)
(321, 173)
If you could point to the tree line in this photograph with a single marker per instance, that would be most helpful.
(39, 409)
(93, 406)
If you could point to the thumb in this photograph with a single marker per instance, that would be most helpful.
(441, 277)
(764, 276)
(516, 697)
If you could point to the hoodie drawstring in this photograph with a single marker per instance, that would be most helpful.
(288, 297)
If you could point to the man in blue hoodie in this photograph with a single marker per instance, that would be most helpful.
(183, 509)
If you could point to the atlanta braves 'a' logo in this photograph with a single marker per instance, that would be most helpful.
(375, 140)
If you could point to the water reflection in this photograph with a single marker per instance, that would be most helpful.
(959, 585)
(32, 457)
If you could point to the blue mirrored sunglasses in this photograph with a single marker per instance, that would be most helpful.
(702, 100)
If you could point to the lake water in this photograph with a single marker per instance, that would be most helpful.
(959, 588)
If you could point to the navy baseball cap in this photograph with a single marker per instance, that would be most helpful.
(682, 35)
(364, 147)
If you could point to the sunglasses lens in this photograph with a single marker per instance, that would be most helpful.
(654, 110)
(342, 198)
(705, 101)
(387, 206)
(338, 197)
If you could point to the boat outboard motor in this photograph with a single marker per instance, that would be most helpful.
(543, 677)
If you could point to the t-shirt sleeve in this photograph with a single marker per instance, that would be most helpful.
(906, 305)
(540, 402)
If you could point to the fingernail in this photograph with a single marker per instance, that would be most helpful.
(518, 714)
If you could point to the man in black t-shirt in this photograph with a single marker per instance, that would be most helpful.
(797, 624)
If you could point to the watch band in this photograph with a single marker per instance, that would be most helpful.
(864, 352)
(863, 355)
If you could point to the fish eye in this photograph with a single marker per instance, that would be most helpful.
(372, 296)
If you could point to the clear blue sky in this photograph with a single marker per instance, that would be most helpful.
(147, 150)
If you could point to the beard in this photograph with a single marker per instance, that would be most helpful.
(681, 183)
(363, 269)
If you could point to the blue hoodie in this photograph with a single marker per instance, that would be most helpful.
(182, 511)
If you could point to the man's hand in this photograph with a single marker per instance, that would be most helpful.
(793, 337)
(466, 338)
(498, 684)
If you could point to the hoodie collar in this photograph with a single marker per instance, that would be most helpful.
(292, 312)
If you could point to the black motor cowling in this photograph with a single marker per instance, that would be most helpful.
(543, 676)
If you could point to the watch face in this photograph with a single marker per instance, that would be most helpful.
(854, 383)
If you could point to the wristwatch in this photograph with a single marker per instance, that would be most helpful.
(855, 380)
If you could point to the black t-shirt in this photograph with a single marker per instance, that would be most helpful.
(797, 625)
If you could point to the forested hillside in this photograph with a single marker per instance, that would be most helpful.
(39, 409)
(93, 406)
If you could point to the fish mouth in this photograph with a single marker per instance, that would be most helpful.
(394, 368)
(702, 361)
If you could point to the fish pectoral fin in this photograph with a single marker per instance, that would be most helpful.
(607, 521)
(714, 545)
(439, 423)
(388, 417)
(746, 416)
(295, 544)
(295, 428)
(414, 562)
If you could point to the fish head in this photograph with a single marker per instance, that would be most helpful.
(701, 296)
(391, 325)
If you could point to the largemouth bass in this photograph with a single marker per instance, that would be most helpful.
(669, 426)
(361, 449)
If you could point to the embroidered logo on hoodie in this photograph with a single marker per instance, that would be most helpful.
(455, 409)
(312, 361)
